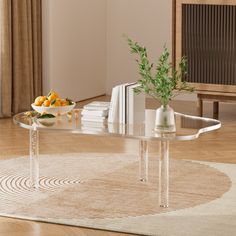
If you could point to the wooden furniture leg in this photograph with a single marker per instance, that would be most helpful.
(215, 109)
(200, 106)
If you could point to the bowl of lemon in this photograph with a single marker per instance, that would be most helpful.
(53, 104)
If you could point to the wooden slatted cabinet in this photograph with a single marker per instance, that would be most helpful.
(205, 32)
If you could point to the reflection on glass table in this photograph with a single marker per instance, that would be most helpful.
(187, 128)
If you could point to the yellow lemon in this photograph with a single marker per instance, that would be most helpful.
(52, 96)
(42, 99)
(56, 103)
(64, 102)
(38, 101)
(46, 103)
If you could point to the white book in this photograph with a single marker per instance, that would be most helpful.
(93, 117)
(136, 106)
(96, 105)
(113, 115)
(130, 94)
(99, 104)
(121, 96)
(127, 100)
(122, 128)
(94, 108)
(95, 112)
(112, 128)
(118, 107)
(122, 103)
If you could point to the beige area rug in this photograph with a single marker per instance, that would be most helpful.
(103, 191)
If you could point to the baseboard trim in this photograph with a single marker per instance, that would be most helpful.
(87, 99)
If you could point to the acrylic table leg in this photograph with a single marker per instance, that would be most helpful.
(34, 158)
(164, 174)
(143, 160)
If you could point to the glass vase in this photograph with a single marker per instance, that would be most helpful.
(165, 119)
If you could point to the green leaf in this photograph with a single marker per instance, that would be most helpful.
(53, 102)
(49, 93)
(70, 101)
(46, 116)
(166, 80)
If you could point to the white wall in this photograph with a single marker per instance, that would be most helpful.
(74, 47)
(84, 53)
(147, 21)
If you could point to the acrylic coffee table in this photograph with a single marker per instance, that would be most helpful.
(187, 128)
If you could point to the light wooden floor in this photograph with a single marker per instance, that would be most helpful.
(218, 146)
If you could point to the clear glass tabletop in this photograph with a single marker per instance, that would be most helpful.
(187, 127)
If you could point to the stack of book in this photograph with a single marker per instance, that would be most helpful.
(88, 126)
(95, 112)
